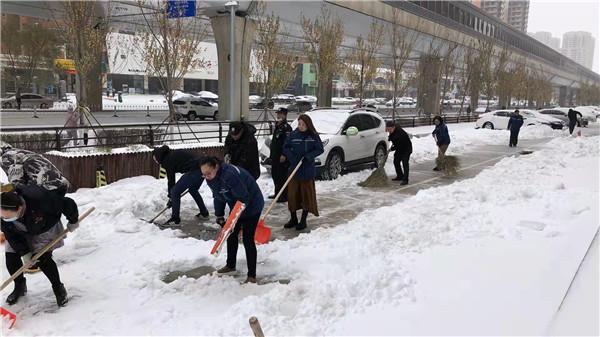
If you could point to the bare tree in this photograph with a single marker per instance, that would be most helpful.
(323, 36)
(86, 32)
(274, 68)
(448, 67)
(30, 50)
(402, 43)
(362, 62)
(496, 67)
(169, 46)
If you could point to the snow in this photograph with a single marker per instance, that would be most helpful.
(488, 255)
(128, 149)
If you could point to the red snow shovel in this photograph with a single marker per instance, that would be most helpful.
(263, 233)
(11, 316)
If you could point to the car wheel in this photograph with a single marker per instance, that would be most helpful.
(380, 156)
(43, 106)
(7, 105)
(488, 125)
(191, 116)
(333, 165)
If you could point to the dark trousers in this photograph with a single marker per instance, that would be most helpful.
(248, 227)
(572, 127)
(46, 264)
(514, 137)
(279, 172)
(398, 159)
(190, 181)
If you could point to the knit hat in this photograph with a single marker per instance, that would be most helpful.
(10, 200)
(282, 111)
(235, 127)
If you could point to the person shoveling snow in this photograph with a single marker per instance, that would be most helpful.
(447, 164)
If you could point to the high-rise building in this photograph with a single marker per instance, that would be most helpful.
(579, 46)
(547, 39)
(513, 12)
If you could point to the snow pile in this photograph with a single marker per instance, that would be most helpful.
(112, 265)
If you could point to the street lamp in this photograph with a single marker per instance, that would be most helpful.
(231, 5)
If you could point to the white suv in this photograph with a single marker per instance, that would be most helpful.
(350, 138)
(193, 107)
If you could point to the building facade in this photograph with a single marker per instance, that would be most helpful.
(579, 46)
(547, 39)
(513, 12)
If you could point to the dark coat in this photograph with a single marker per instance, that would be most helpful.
(303, 145)
(244, 151)
(175, 161)
(514, 123)
(401, 142)
(280, 135)
(25, 167)
(232, 184)
(43, 210)
(441, 134)
(573, 116)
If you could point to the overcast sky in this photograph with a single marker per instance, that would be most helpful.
(559, 17)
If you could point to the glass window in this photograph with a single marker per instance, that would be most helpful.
(178, 102)
(355, 121)
(367, 122)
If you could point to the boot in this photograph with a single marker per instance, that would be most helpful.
(20, 290)
(302, 224)
(202, 215)
(226, 270)
(293, 221)
(250, 280)
(61, 294)
(173, 221)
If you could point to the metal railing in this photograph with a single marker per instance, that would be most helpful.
(43, 139)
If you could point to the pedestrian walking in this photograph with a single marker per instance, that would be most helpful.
(402, 148)
(180, 161)
(30, 221)
(73, 117)
(279, 169)
(18, 98)
(229, 185)
(514, 125)
(468, 109)
(241, 148)
(573, 120)
(442, 139)
(303, 144)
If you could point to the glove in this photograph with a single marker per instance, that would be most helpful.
(169, 203)
(227, 158)
(221, 221)
(72, 226)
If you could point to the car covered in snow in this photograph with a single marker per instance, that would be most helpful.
(563, 115)
(306, 98)
(590, 113)
(498, 119)
(191, 107)
(350, 138)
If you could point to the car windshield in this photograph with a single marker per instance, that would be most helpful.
(327, 122)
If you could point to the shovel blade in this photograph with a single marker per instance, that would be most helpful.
(263, 233)
(11, 316)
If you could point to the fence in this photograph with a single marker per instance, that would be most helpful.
(81, 170)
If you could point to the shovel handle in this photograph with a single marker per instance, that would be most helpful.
(44, 250)
(165, 209)
(282, 189)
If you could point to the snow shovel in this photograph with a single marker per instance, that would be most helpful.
(163, 210)
(11, 316)
(263, 233)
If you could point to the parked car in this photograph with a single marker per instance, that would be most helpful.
(563, 115)
(190, 107)
(28, 100)
(344, 100)
(350, 138)
(402, 102)
(499, 119)
(260, 105)
(590, 113)
(299, 106)
(368, 107)
(306, 98)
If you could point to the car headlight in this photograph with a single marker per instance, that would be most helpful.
(325, 142)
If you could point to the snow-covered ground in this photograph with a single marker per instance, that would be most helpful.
(488, 255)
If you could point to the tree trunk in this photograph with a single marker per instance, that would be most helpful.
(324, 91)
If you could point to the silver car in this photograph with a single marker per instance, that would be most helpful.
(28, 100)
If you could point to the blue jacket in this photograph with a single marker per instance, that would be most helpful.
(441, 134)
(233, 184)
(514, 123)
(303, 145)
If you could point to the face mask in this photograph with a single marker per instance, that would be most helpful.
(10, 219)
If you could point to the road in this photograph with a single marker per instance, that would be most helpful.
(53, 118)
